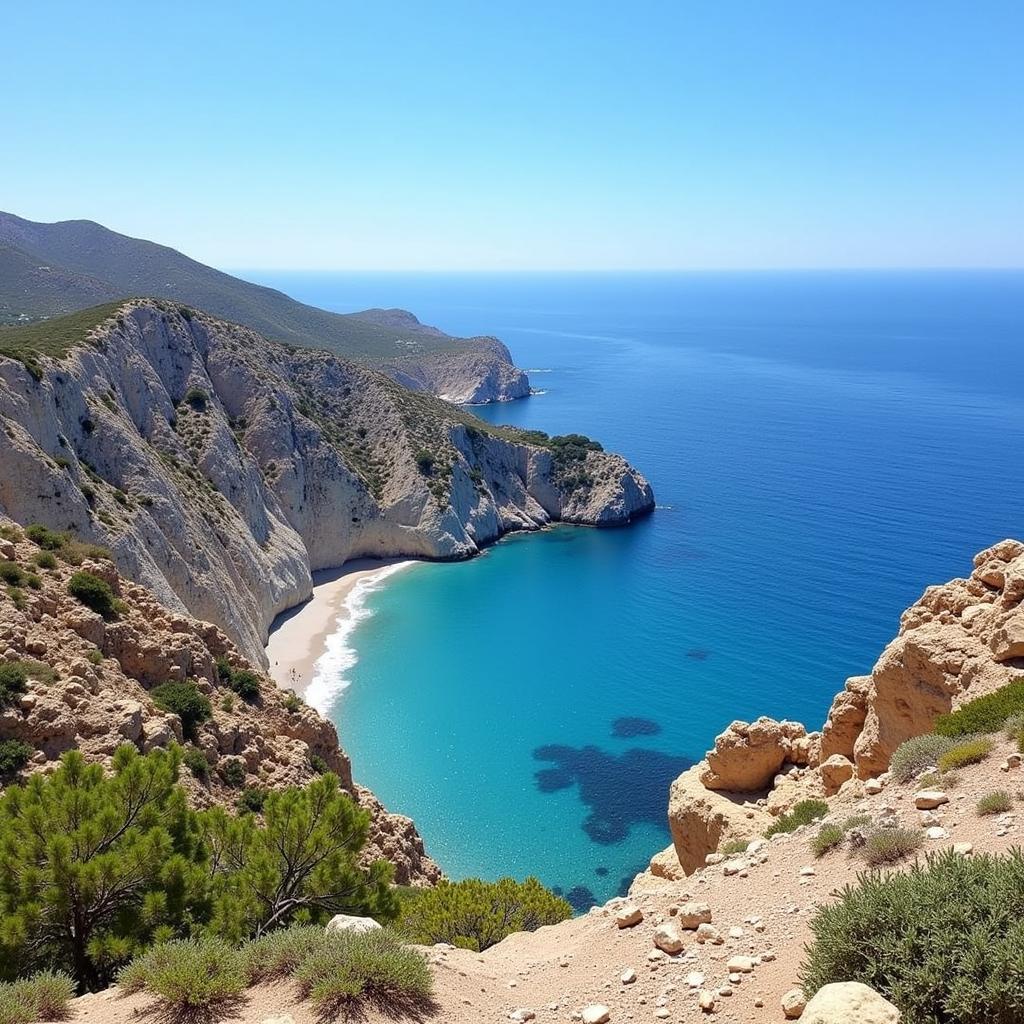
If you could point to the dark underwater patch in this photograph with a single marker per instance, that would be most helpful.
(629, 727)
(698, 653)
(620, 790)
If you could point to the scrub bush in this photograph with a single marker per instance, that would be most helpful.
(943, 941)
(803, 813)
(984, 714)
(474, 914)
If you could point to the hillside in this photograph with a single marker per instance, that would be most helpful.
(222, 469)
(50, 269)
(727, 939)
(93, 683)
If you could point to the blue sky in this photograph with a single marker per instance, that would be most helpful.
(523, 135)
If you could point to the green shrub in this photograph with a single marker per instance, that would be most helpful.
(920, 752)
(802, 813)
(190, 978)
(828, 837)
(293, 702)
(195, 761)
(197, 398)
(890, 845)
(93, 592)
(475, 914)
(278, 954)
(33, 581)
(938, 780)
(14, 755)
(46, 538)
(943, 940)
(232, 772)
(969, 752)
(95, 657)
(185, 701)
(45, 560)
(832, 835)
(252, 799)
(318, 764)
(243, 682)
(13, 682)
(44, 996)
(227, 702)
(373, 967)
(11, 573)
(996, 802)
(733, 846)
(984, 714)
(424, 461)
(1013, 726)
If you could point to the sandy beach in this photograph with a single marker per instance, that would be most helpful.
(299, 637)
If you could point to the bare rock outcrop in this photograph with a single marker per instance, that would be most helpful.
(747, 756)
(960, 640)
(90, 681)
(700, 819)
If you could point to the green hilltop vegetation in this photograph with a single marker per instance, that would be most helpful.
(49, 269)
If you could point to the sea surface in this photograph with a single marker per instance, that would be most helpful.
(822, 447)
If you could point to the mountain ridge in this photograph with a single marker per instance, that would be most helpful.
(50, 269)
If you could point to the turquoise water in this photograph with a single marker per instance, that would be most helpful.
(822, 446)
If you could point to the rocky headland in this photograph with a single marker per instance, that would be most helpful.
(222, 469)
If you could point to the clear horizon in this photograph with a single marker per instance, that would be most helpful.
(578, 138)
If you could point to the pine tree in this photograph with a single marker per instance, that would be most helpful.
(94, 867)
(301, 864)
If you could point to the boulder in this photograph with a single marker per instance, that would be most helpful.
(693, 914)
(665, 864)
(627, 916)
(596, 1013)
(929, 799)
(748, 756)
(668, 939)
(701, 819)
(849, 1002)
(835, 770)
(351, 924)
(794, 1002)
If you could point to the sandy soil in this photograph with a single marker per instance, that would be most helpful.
(556, 971)
(298, 637)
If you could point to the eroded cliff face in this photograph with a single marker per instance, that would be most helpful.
(90, 683)
(222, 469)
(961, 640)
(474, 371)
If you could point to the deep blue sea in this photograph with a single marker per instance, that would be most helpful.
(822, 446)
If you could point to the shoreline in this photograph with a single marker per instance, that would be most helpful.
(303, 636)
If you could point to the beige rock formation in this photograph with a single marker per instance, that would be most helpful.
(747, 757)
(700, 819)
(849, 1002)
(960, 640)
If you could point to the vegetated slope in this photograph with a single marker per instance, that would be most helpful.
(31, 288)
(221, 468)
(49, 269)
(90, 680)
